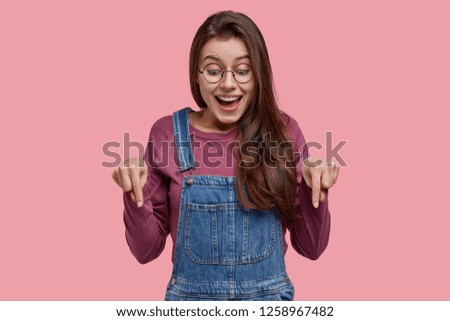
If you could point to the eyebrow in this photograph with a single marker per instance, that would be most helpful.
(217, 59)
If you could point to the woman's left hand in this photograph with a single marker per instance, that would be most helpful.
(319, 175)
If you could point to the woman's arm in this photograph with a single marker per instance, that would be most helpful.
(147, 227)
(311, 230)
(146, 201)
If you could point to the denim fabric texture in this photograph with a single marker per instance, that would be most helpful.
(223, 251)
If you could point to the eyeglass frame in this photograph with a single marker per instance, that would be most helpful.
(224, 71)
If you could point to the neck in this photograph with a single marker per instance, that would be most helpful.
(206, 122)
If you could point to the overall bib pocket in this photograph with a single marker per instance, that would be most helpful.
(228, 234)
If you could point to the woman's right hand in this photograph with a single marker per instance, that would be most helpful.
(131, 176)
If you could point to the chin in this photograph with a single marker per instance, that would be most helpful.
(229, 118)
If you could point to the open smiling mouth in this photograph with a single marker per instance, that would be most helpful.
(228, 102)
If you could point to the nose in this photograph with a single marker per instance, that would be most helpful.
(228, 80)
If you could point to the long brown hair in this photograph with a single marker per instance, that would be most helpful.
(266, 176)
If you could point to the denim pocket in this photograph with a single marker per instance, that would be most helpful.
(172, 296)
(287, 295)
(270, 297)
(228, 234)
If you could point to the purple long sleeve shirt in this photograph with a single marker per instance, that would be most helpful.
(147, 227)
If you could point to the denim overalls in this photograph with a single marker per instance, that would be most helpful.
(223, 251)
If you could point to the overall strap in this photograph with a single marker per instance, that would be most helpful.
(183, 140)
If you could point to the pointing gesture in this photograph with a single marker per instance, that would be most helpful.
(131, 176)
(319, 176)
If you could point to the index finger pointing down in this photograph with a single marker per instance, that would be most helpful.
(137, 188)
(315, 181)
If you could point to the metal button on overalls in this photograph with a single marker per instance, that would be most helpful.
(189, 180)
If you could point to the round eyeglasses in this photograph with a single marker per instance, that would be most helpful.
(213, 73)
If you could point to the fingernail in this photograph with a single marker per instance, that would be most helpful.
(316, 204)
(139, 204)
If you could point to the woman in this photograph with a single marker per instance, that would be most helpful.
(226, 181)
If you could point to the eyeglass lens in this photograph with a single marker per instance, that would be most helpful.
(214, 73)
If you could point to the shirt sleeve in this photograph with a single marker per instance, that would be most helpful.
(311, 230)
(147, 227)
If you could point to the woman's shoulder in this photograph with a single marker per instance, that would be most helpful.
(162, 128)
(165, 123)
(292, 127)
(295, 134)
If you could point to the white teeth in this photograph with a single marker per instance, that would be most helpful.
(228, 98)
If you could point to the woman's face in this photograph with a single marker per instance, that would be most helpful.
(227, 99)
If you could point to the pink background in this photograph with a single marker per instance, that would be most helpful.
(77, 74)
